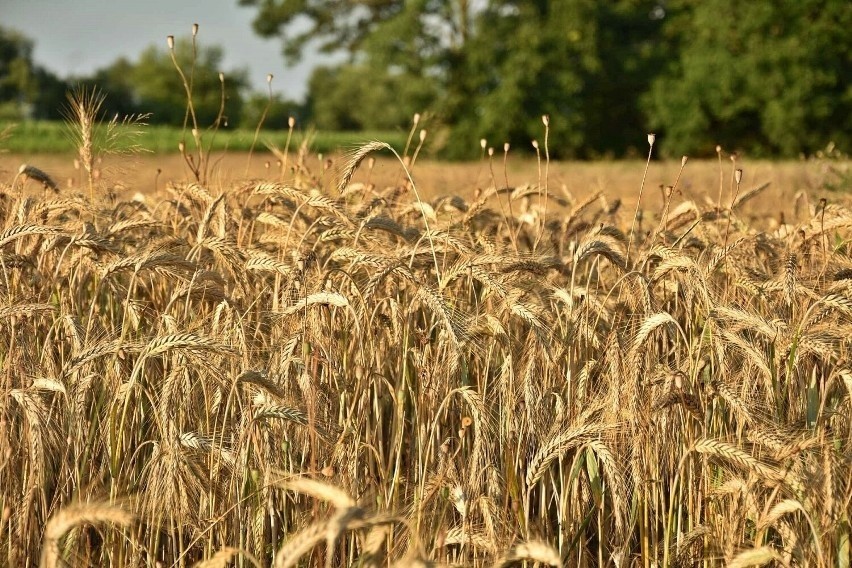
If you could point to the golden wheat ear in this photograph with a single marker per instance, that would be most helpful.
(72, 516)
(223, 558)
(81, 118)
(32, 172)
(533, 550)
(354, 160)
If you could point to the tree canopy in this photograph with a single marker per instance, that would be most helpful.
(149, 85)
(26, 88)
(152, 84)
(769, 77)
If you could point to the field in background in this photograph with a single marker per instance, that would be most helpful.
(53, 137)
(313, 369)
(700, 180)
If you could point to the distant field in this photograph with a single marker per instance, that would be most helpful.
(53, 137)
(700, 180)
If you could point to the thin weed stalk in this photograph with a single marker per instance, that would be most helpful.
(651, 138)
(260, 122)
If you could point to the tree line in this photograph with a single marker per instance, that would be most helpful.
(770, 78)
(148, 85)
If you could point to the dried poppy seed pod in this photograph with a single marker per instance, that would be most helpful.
(483, 143)
(194, 30)
(170, 41)
(291, 122)
(422, 134)
(738, 175)
(683, 161)
(505, 147)
(545, 119)
(535, 144)
(491, 151)
(651, 138)
(221, 77)
(269, 78)
(416, 119)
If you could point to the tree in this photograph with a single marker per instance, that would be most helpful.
(518, 68)
(347, 25)
(159, 89)
(629, 50)
(489, 68)
(769, 77)
(26, 90)
(364, 97)
(526, 60)
(153, 85)
(772, 78)
(401, 54)
(116, 83)
(278, 111)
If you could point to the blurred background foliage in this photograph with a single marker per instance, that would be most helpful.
(770, 78)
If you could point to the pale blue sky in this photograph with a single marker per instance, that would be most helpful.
(75, 37)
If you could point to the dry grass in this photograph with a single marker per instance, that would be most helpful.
(292, 373)
(616, 180)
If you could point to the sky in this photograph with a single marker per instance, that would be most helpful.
(76, 37)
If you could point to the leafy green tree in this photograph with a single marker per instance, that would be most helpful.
(490, 68)
(278, 111)
(116, 83)
(581, 62)
(50, 95)
(152, 85)
(26, 89)
(348, 25)
(365, 97)
(527, 59)
(158, 87)
(769, 77)
(629, 50)
(401, 54)
(17, 84)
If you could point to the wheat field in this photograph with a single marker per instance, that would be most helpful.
(311, 370)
